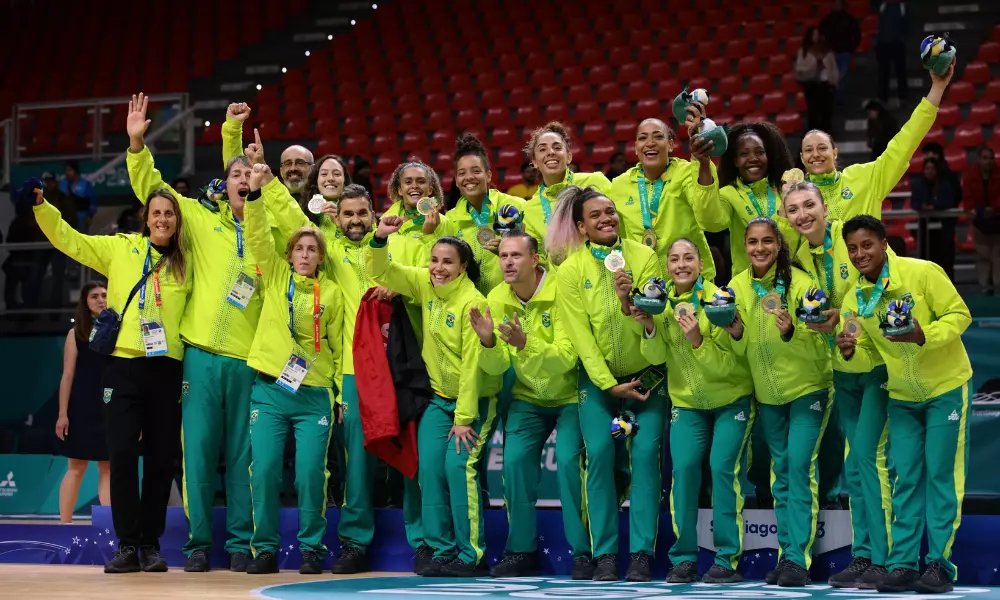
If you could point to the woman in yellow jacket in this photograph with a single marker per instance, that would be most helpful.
(713, 412)
(462, 411)
(859, 189)
(327, 179)
(142, 380)
(548, 149)
(410, 182)
(297, 353)
(790, 365)
(621, 353)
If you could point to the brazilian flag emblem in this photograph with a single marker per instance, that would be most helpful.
(185, 388)
(843, 270)
(449, 320)
(107, 395)
(674, 415)
(546, 320)
(846, 193)
(253, 416)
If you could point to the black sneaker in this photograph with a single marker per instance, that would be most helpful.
(197, 562)
(311, 564)
(238, 562)
(685, 572)
(583, 568)
(126, 560)
(793, 575)
(607, 568)
(872, 577)
(772, 576)
(422, 558)
(151, 561)
(935, 580)
(720, 574)
(263, 564)
(851, 576)
(898, 580)
(638, 568)
(433, 568)
(517, 564)
(351, 560)
(460, 568)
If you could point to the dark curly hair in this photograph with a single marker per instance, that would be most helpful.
(469, 145)
(779, 159)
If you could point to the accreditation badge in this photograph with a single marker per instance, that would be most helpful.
(293, 374)
(154, 338)
(242, 291)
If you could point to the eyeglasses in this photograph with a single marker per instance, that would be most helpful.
(296, 163)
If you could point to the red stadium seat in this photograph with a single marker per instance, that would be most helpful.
(467, 118)
(527, 116)
(961, 92)
(784, 30)
(511, 178)
(624, 130)
(774, 102)
(411, 121)
(729, 85)
(509, 158)
(969, 135)
(590, 58)
(616, 109)
(503, 136)
(648, 54)
(748, 66)
(595, 131)
(463, 100)
(707, 49)
(327, 145)
(356, 144)
(620, 56)
(438, 119)
(384, 142)
(578, 93)
(510, 62)
(383, 123)
(639, 89)
(435, 101)
(572, 76)
(741, 104)
(725, 31)
(442, 139)
(983, 112)
(609, 91)
(688, 69)
(521, 97)
(414, 141)
(789, 83)
(766, 47)
(678, 51)
(460, 81)
(497, 116)
(718, 67)
(936, 134)
(599, 74)
(354, 126)
(977, 73)
(799, 103)
(384, 164)
(760, 84)
(491, 98)
(550, 94)
(324, 109)
(557, 112)
(601, 152)
(647, 108)
(754, 30)
(948, 115)
(989, 52)
(514, 79)
(779, 64)
(586, 112)
(993, 91)
(326, 127)
(756, 117)
(658, 71)
(956, 157)
(736, 48)
(916, 164)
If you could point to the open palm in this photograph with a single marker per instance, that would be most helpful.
(136, 123)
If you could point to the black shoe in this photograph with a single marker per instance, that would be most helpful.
(459, 568)
(351, 560)
(151, 561)
(772, 576)
(872, 577)
(263, 564)
(517, 564)
(899, 580)
(238, 562)
(433, 568)
(583, 568)
(422, 558)
(793, 575)
(935, 580)
(126, 560)
(197, 562)
(638, 568)
(311, 564)
(685, 572)
(720, 574)
(607, 568)
(851, 576)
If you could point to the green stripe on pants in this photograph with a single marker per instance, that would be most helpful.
(597, 408)
(215, 410)
(793, 432)
(528, 426)
(309, 412)
(931, 453)
(727, 430)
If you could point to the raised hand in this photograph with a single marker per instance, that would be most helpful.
(239, 111)
(330, 209)
(431, 222)
(387, 226)
(512, 333)
(260, 175)
(701, 149)
(255, 151)
(39, 196)
(136, 122)
(482, 324)
(695, 115)
(735, 328)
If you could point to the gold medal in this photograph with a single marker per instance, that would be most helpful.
(852, 326)
(426, 206)
(771, 302)
(683, 309)
(793, 176)
(649, 239)
(614, 261)
(316, 203)
(485, 235)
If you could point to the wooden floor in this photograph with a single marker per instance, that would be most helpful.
(26, 582)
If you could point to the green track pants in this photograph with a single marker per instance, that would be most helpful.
(309, 412)
(597, 408)
(723, 433)
(930, 448)
(793, 432)
(862, 401)
(357, 513)
(453, 519)
(215, 410)
(528, 426)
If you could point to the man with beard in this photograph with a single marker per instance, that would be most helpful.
(346, 257)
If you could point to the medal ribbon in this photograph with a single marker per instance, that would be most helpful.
(772, 200)
(481, 217)
(600, 253)
(762, 291)
(825, 179)
(156, 277)
(865, 309)
(413, 215)
(828, 260)
(649, 208)
(546, 207)
(316, 309)
(697, 292)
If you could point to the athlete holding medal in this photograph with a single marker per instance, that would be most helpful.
(415, 191)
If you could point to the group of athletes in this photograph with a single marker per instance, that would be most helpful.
(246, 307)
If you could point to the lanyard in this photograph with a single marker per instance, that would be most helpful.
(696, 294)
(239, 237)
(650, 208)
(772, 200)
(825, 179)
(779, 286)
(828, 260)
(291, 310)
(481, 217)
(546, 207)
(156, 277)
(600, 253)
(865, 309)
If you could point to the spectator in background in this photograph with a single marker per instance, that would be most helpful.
(935, 190)
(182, 186)
(130, 219)
(981, 189)
(616, 165)
(81, 405)
(843, 32)
(936, 151)
(882, 126)
(363, 175)
(81, 191)
(529, 182)
(890, 48)
(816, 70)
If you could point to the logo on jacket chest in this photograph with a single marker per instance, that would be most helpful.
(843, 270)
(846, 193)
(587, 285)
(630, 201)
(449, 319)
(546, 319)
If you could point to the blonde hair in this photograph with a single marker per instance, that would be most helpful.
(300, 233)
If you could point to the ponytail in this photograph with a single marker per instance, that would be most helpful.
(783, 263)
(563, 235)
(465, 255)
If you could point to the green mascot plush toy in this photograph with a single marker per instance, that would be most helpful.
(937, 53)
(708, 130)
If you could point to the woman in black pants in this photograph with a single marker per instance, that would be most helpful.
(142, 380)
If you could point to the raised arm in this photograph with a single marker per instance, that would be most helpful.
(467, 403)
(142, 173)
(232, 131)
(94, 251)
(258, 231)
(952, 316)
(389, 273)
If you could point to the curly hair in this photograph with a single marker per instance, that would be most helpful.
(779, 159)
(397, 176)
(551, 127)
(312, 184)
(469, 145)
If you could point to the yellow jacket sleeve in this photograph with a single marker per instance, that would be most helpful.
(467, 403)
(232, 140)
(399, 278)
(288, 216)
(573, 309)
(94, 251)
(715, 349)
(260, 243)
(146, 178)
(952, 314)
(863, 359)
(704, 199)
(539, 359)
(496, 360)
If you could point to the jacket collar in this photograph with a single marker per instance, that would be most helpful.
(545, 292)
(636, 171)
(453, 287)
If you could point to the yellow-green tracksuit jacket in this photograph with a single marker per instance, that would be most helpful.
(446, 227)
(735, 209)
(536, 223)
(489, 264)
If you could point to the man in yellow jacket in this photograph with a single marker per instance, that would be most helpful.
(914, 316)
(531, 336)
